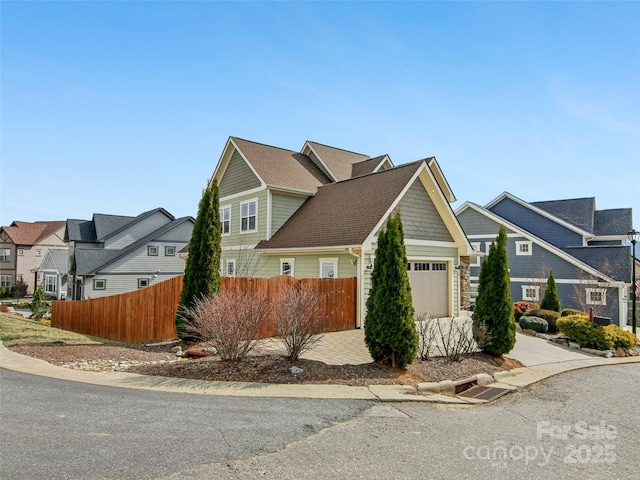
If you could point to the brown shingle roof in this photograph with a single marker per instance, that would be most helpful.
(343, 213)
(338, 161)
(26, 233)
(279, 167)
(366, 167)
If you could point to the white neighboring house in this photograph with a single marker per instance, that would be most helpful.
(53, 273)
(112, 254)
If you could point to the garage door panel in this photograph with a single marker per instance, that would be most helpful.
(429, 290)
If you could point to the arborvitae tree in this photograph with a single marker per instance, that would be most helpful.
(202, 270)
(390, 331)
(39, 307)
(494, 307)
(551, 300)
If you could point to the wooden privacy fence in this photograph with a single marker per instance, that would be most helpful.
(149, 313)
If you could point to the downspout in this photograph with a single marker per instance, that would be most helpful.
(359, 284)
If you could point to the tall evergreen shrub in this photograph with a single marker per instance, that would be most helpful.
(551, 300)
(494, 307)
(202, 270)
(390, 331)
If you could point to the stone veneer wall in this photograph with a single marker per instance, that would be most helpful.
(465, 284)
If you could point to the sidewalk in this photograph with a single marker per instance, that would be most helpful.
(542, 359)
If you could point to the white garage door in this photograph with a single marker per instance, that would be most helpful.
(429, 287)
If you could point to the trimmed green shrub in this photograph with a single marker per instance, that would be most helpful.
(549, 315)
(551, 301)
(572, 311)
(584, 332)
(619, 337)
(536, 324)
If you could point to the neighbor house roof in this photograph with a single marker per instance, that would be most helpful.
(343, 213)
(27, 233)
(60, 259)
(281, 168)
(576, 211)
(613, 261)
(90, 260)
(617, 221)
(368, 166)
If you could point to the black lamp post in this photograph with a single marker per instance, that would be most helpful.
(633, 237)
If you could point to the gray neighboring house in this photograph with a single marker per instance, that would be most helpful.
(53, 271)
(586, 248)
(112, 254)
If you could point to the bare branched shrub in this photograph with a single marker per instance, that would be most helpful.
(298, 319)
(427, 327)
(230, 321)
(455, 338)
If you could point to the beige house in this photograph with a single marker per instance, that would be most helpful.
(23, 245)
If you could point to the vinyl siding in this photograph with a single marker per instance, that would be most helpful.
(243, 239)
(305, 266)
(238, 177)
(420, 218)
(117, 284)
(139, 262)
(136, 231)
(474, 223)
(537, 224)
(282, 207)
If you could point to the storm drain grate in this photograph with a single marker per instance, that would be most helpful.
(480, 392)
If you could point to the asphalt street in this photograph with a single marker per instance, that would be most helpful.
(578, 425)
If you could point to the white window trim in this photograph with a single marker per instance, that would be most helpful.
(21, 252)
(48, 283)
(529, 251)
(5, 281)
(475, 261)
(231, 261)
(228, 207)
(141, 280)
(528, 298)
(247, 202)
(603, 291)
(38, 252)
(168, 248)
(291, 261)
(149, 249)
(335, 266)
(104, 284)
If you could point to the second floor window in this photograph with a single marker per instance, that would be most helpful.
(152, 250)
(5, 255)
(248, 216)
(225, 220)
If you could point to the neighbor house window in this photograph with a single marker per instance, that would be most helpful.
(143, 282)
(328, 268)
(21, 252)
(249, 216)
(50, 283)
(5, 280)
(225, 220)
(596, 296)
(38, 253)
(99, 284)
(152, 250)
(473, 292)
(5, 255)
(231, 268)
(286, 266)
(530, 293)
(524, 248)
(169, 251)
(19, 278)
(475, 261)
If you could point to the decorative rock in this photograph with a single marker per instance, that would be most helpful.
(601, 353)
(211, 350)
(574, 345)
(176, 349)
(502, 375)
(484, 379)
(296, 370)
(528, 331)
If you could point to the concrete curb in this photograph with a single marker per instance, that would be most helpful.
(438, 392)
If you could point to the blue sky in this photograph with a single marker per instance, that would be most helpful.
(121, 107)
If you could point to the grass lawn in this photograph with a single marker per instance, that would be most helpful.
(15, 329)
